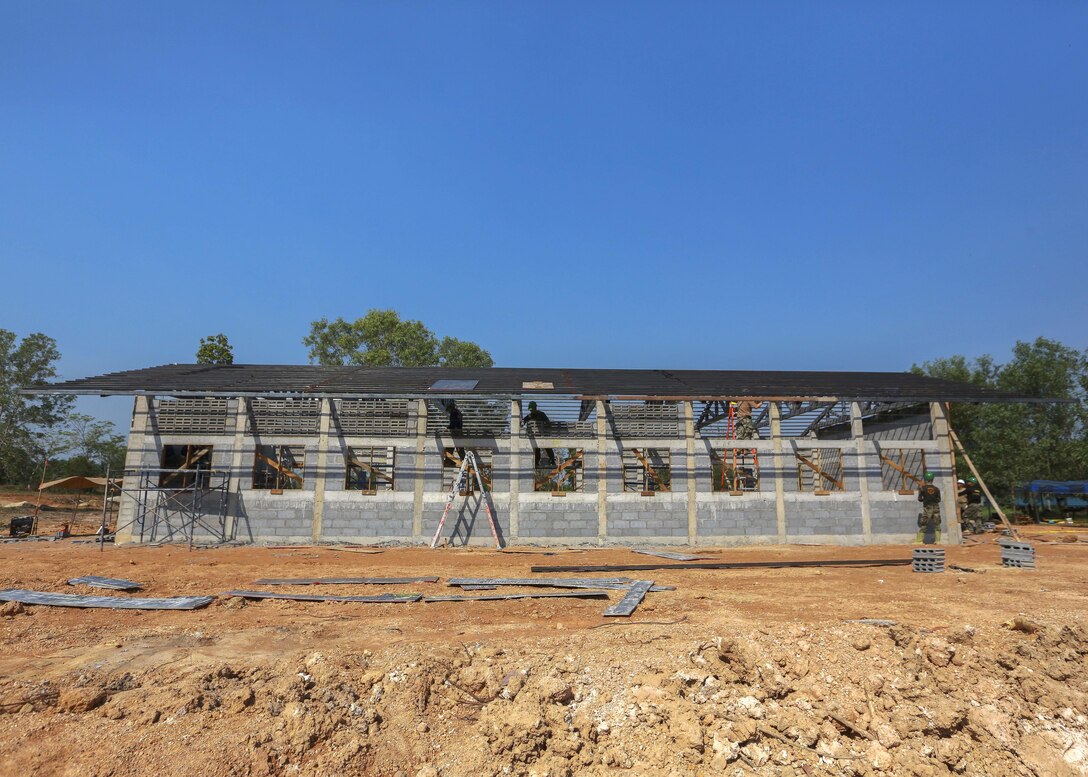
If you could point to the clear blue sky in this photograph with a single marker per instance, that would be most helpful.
(774, 186)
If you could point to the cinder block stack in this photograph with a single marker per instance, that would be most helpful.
(927, 560)
(1015, 553)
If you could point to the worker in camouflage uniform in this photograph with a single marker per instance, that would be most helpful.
(972, 511)
(745, 428)
(929, 520)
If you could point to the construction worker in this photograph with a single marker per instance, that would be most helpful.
(537, 422)
(972, 511)
(929, 520)
(745, 427)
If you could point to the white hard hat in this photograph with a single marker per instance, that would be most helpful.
(961, 482)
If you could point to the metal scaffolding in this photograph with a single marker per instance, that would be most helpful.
(164, 511)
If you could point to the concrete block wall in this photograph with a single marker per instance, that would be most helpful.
(324, 510)
(751, 516)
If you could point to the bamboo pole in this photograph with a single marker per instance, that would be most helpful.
(982, 483)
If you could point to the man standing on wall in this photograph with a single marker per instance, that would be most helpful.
(929, 520)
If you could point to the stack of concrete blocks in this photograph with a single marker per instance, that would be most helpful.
(1016, 554)
(927, 560)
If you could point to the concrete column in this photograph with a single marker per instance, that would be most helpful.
(421, 469)
(689, 442)
(237, 465)
(323, 423)
(515, 464)
(602, 471)
(775, 414)
(137, 434)
(858, 433)
(950, 527)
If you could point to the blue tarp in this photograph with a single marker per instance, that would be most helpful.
(1070, 487)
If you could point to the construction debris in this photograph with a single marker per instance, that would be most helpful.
(108, 602)
(345, 581)
(635, 594)
(532, 595)
(376, 599)
(879, 562)
(106, 582)
(674, 556)
(347, 549)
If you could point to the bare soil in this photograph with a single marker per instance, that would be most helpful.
(736, 672)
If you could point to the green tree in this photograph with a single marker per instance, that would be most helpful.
(25, 420)
(93, 441)
(382, 339)
(1015, 443)
(215, 349)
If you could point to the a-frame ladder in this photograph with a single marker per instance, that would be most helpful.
(470, 467)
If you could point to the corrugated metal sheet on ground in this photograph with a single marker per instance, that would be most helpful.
(376, 599)
(107, 602)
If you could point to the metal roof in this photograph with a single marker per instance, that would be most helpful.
(320, 381)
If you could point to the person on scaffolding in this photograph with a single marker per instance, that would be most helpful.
(972, 509)
(745, 427)
(929, 520)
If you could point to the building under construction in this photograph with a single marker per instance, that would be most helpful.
(278, 453)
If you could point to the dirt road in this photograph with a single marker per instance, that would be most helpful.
(734, 671)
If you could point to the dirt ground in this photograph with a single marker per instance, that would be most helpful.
(735, 672)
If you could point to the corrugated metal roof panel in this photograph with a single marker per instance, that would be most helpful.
(317, 380)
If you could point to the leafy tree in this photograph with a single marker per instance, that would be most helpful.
(215, 349)
(1015, 443)
(382, 339)
(94, 441)
(24, 420)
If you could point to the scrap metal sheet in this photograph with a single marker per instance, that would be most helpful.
(674, 556)
(107, 602)
(631, 600)
(346, 581)
(534, 595)
(375, 599)
(609, 583)
(113, 583)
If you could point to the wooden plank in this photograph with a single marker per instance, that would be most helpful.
(982, 484)
(657, 478)
(838, 483)
(900, 468)
(878, 562)
(635, 594)
(279, 467)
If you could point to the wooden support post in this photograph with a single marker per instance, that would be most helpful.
(982, 484)
(779, 470)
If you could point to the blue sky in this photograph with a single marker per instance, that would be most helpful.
(627, 184)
